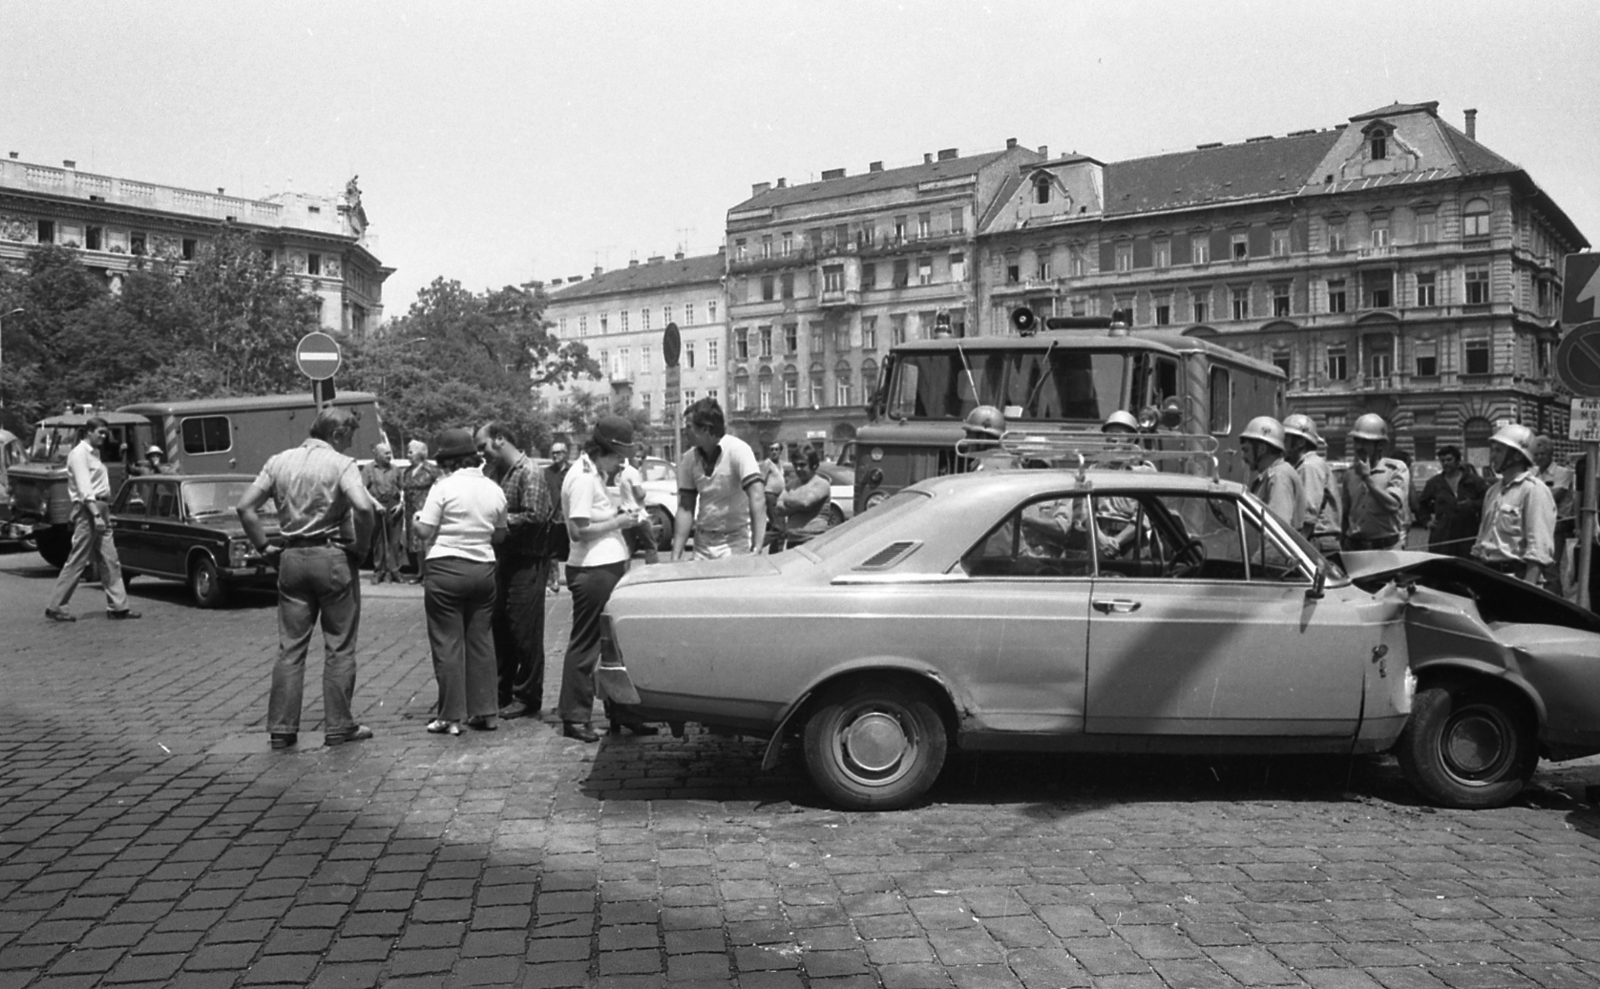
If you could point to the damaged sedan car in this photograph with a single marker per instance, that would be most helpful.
(1099, 610)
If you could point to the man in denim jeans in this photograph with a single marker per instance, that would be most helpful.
(316, 489)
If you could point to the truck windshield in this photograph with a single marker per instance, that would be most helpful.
(1046, 384)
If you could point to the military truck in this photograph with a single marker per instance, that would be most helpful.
(199, 436)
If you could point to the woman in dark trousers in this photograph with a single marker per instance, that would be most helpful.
(462, 519)
(597, 559)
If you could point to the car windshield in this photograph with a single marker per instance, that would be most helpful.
(1051, 383)
(205, 498)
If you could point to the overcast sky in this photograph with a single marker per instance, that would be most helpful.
(502, 141)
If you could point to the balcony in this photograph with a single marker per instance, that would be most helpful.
(846, 298)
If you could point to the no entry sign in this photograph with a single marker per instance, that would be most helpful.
(1578, 360)
(317, 355)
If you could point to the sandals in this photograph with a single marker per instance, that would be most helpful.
(441, 727)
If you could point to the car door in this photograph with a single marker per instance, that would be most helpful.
(131, 533)
(1028, 593)
(1203, 626)
(168, 533)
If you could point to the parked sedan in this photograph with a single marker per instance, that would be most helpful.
(183, 527)
(1048, 610)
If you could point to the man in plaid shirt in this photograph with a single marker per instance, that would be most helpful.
(522, 569)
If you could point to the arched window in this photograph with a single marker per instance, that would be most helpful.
(869, 378)
(1475, 218)
(1041, 189)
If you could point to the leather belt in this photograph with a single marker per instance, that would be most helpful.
(301, 542)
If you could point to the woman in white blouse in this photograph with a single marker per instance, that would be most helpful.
(462, 519)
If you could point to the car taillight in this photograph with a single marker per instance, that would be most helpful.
(610, 655)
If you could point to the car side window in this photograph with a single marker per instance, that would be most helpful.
(1269, 559)
(1181, 536)
(136, 501)
(1049, 537)
(165, 503)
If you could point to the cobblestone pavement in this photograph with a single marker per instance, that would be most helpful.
(149, 837)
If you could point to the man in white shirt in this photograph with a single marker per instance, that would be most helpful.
(89, 487)
(720, 494)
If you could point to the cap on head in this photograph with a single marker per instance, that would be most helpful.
(454, 443)
(614, 433)
(1370, 427)
(1264, 429)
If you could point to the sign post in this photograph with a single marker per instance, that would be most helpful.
(1578, 367)
(317, 355)
(671, 346)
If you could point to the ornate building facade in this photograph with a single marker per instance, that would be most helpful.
(1392, 264)
(825, 277)
(118, 223)
(621, 317)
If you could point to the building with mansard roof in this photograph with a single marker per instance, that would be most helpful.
(117, 223)
(1390, 264)
(824, 277)
(621, 316)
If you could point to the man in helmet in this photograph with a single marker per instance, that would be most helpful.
(1452, 504)
(1376, 490)
(1118, 517)
(1323, 515)
(154, 462)
(1518, 533)
(1272, 479)
(984, 426)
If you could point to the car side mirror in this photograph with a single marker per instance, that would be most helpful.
(1319, 581)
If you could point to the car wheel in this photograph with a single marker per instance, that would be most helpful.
(661, 525)
(205, 583)
(875, 745)
(1465, 746)
(55, 544)
(835, 515)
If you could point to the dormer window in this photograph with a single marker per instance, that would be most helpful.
(1380, 144)
(1041, 189)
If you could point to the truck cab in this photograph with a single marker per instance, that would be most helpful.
(38, 485)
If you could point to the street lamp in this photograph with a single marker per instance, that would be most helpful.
(3, 318)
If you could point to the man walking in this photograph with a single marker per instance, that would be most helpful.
(383, 482)
(720, 494)
(1452, 504)
(522, 569)
(1377, 489)
(89, 487)
(326, 518)
(1518, 533)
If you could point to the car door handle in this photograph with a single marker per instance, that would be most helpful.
(1120, 606)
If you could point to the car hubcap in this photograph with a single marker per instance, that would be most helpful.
(874, 746)
(1475, 745)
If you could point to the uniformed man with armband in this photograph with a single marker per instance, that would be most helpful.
(1323, 512)
(1376, 490)
(1273, 481)
(1518, 533)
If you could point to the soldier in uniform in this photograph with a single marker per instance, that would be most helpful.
(1323, 514)
(1273, 481)
(1518, 533)
(1376, 490)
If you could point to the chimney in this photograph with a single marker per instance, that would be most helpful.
(927, 159)
(221, 191)
(758, 188)
(876, 166)
(949, 153)
(1472, 124)
(633, 262)
(832, 173)
(1044, 151)
(69, 163)
(598, 271)
(678, 256)
(555, 282)
(575, 278)
(658, 259)
(1011, 143)
(13, 156)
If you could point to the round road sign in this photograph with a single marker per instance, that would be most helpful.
(671, 343)
(1578, 359)
(317, 355)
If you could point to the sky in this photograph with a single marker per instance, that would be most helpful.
(498, 142)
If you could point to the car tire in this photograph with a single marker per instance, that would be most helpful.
(205, 583)
(54, 543)
(875, 745)
(1468, 746)
(661, 523)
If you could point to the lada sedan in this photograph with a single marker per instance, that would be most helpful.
(1093, 611)
(183, 527)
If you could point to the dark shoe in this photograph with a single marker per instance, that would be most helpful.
(481, 723)
(284, 741)
(123, 615)
(359, 733)
(517, 709)
(579, 730)
(60, 615)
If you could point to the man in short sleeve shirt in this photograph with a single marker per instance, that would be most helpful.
(720, 493)
(318, 491)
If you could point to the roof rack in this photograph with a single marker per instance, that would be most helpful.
(1089, 448)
